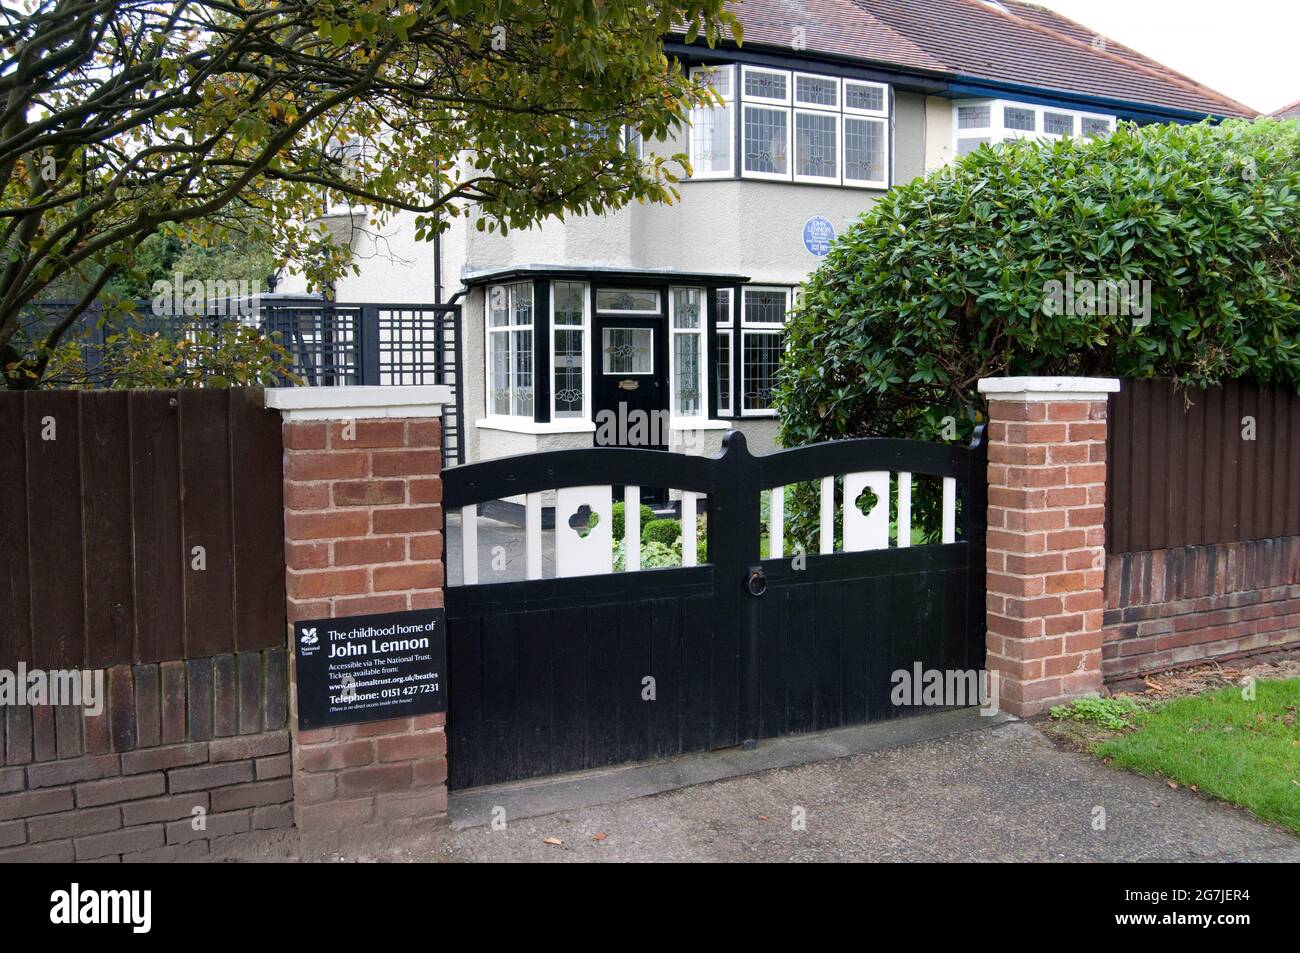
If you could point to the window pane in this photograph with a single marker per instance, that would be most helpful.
(864, 149)
(724, 305)
(862, 96)
(974, 117)
(632, 141)
(628, 300)
(498, 306)
(628, 351)
(711, 140)
(765, 307)
(499, 388)
(1014, 117)
(570, 298)
(1096, 127)
(765, 140)
(568, 372)
(816, 90)
(724, 372)
(1058, 124)
(816, 145)
(686, 373)
(967, 146)
(521, 304)
(761, 358)
(521, 344)
(718, 79)
(687, 303)
(766, 85)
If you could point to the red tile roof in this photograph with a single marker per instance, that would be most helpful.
(1288, 112)
(1007, 41)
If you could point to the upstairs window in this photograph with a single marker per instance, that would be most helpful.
(991, 121)
(713, 130)
(795, 127)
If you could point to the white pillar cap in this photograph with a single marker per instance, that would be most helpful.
(1048, 388)
(359, 402)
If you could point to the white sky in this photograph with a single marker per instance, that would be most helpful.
(1248, 49)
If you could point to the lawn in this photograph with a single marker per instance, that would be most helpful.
(1221, 744)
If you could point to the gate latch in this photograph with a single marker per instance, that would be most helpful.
(757, 581)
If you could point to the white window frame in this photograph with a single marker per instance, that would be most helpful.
(587, 306)
(701, 343)
(838, 177)
(857, 111)
(844, 156)
(745, 108)
(725, 327)
(729, 110)
(748, 327)
(770, 100)
(794, 91)
(491, 334)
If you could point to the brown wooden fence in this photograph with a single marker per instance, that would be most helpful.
(1182, 469)
(104, 497)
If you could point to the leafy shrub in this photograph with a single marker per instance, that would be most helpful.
(661, 531)
(944, 280)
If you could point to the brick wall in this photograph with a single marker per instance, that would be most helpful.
(124, 785)
(1046, 546)
(363, 534)
(1172, 607)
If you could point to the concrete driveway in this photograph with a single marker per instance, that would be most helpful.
(1000, 793)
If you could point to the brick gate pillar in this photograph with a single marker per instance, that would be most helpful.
(1046, 537)
(363, 534)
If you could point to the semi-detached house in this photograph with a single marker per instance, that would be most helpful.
(681, 308)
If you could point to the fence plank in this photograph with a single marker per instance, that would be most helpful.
(15, 580)
(156, 518)
(105, 486)
(258, 523)
(206, 502)
(54, 517)
(1181, 471)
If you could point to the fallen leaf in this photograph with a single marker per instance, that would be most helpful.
(762, 817)
(598, 836)
(553, 841)
(1172, 784)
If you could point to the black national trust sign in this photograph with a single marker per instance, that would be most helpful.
(371, 667)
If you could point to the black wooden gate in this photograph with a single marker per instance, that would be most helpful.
(574, 672)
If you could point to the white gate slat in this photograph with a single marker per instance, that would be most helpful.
(904, 510)
(533, 535)
(826, 534)
(631, 528)
(589, 555)
(469, 544)
(776, 524)
(872, 530)
(690, 527)
(950, 509)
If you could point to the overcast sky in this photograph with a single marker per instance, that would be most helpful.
(1248, 49)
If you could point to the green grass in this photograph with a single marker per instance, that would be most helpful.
(1245, 752)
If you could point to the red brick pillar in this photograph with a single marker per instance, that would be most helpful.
(1046, 537)
(363, 534)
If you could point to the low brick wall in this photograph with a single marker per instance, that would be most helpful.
(202, 733)
(1171, 607)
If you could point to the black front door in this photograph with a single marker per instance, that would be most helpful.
(631, 383)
